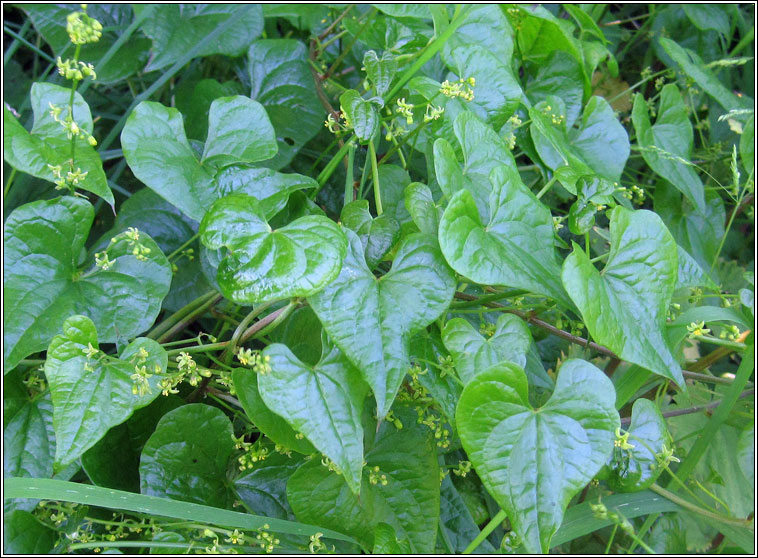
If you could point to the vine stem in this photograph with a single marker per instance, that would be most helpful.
(494, 522)
(182, 247)
(375, 177)
(625, 421)
(187, 320)
(179, 314)
(698, 510)
(9, 183)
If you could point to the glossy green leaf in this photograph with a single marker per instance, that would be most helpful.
(694, 67)
(667, 145)
(409, 501)
(25, 534)
(420, 204)
(194, 97)
(380, 70)
(238, 131)
(624, 306)
(187, 456)
(177, 28)
(581, 216)
(47, 279)
(160, 155)
(635, 469)
(33, 152)
(533, 461)
(513, 248)
(386, 541)
(708, 16)
(264, 264)
(268, 422)
(29, 440)
(483, 151)
(301, 332)
(263, 489)
(377, 235)
(456, 522)
(372, 320)
(360, 114)
(324, 402)
(561, 75)
(600, 145)
(282, 82)
(91, 395)
(511, 341)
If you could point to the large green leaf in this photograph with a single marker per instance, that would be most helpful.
(511, 341)
(264, 264)
(372, 320)
(636, 468)
(47, 280)
(407, 498)
(599, 146)
(29, 440)
(25, 534)
(624, 306)
(187, 456)
(160, 155)
(513, 248)
(533, 461)
(561, 75)
(263, 489)
(264, 419)
(177, 28)
(282, 82)
(47, 144)
(90, 395)
(324, 402)
(667, 145)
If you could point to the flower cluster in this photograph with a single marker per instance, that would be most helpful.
(696, 329)
(463, 88)
(83, 29)
(254, 359)
(69, 69)
(188, 370)
(463, 468)
(374, 477)
(406, 110)
(635, 193)
(266, 540)
(253, 452)
(429, 417)
(433, 113)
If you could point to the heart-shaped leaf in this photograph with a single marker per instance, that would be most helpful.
(533, 461)
(264, 264)
(420, 204)
(514, 248)
(324, 402)
(624, 306)
(511, 341)
(372, 320)
(667, 145)
(377, 235)
(47, 144)
(92, 391)
(636, 468)
(46, 282)
(160, 155)
(400, 487)
(380, 70)
(187, 457)
(360, 114)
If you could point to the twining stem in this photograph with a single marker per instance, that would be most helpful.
(74, 83)
(229, 353)
(698, 510)
(182, 247)
(494, 522)
(331, 166)
(690, 410)
(187, 320)
(9, 183)
(546, 187)
(179, 314)
(349, 175)
(375, 177)
(488, 298)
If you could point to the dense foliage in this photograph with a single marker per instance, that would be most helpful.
(395, 279)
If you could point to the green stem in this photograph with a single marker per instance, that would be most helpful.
(494, 522)
(179, 314)
(188, 319)
(375, 177)
(587, 243)
(199, 348)
(349, 175)
(744, 41)
(610, 540)
(433, 48)
(331, 166)
(229, 353)
(26, 43)
(71, 109)
(15, 44)
(281, 315)
(698, 510)
(8, 184)
(546, 187)
(488, 298)
(178, 251)
(732, 215)
(721, 342)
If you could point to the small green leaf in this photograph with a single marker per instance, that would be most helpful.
(33, 152)
(514, 248)
(377, 235)
(635, 469)
(187, 456)
(92, 394)
(264, 264)
(263, 489)
(268, 422)
(239, 131)
(47, 280)
(581, 217)
(386, 541)
(380, 70)
(324, 402)
(29, 440)
(624, 306)
(361, 115)
(420, 204)
(533, 461)
(372, 320)
(667, 145)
